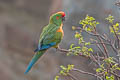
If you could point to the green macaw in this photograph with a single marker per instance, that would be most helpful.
(51, 36)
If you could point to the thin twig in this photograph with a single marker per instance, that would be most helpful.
(115, 74)
(105, 49)
(92, 34)
(74, 78)
(98, 59)
(80, 54)
(100, 37)
(116, 36)
(100, 49)
(98, 43)
(113, 47)
(104, 46)
(63, 50)
(94, 59)
(88, 73)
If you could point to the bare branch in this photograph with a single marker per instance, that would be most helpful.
(98, 43)
(115, 74)
(100, 49)
(74, 78)
(92, 34)
(116, 36)
(63, 50)
(80, 54)
(104, 46)
(88, 73)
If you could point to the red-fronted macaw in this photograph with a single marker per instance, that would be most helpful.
(51, 36)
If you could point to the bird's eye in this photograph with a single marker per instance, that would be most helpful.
(57, 17)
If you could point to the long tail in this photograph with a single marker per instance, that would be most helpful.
(34, 59)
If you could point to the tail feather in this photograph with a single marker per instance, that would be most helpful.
(34, 60)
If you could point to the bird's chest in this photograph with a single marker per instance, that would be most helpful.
(59, 34)
(60, 30)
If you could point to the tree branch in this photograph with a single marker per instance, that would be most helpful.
(88, 73)
(116, 36)
(92, 34)
(115, 74)
(104, 46)
(74, 78)
(66, 51)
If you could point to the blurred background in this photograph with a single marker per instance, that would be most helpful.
(21, 22)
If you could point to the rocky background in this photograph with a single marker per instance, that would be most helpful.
(21, 23)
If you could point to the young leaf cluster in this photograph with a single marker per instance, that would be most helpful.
(88, 23)
(82, 49)
(65, 71)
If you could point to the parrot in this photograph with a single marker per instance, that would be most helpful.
(51, 36)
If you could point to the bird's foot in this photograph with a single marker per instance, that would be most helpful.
(57, 48)
(60, 49)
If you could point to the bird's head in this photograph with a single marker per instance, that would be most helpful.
(57, 18)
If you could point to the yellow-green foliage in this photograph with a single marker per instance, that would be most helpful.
(106, 64)
(88, 23)
(56, 78)
(80, 50)
(110, 19)
(109, 60)
(114, 27)
(66, 70)
(110, 77)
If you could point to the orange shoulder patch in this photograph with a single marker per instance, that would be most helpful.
(60, 29)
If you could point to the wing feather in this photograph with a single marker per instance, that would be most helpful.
(46, 36)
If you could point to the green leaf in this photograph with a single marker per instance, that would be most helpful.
(71, 46)
(97, 23)
(118, 68)
(87, 43)
(64, 68)
(106, 72)
(56, 78)
(117, 24)
(110, 78)
(111, 30)
(99, 69)
(102, 65)
(88, 29)
(109, 60)
(78, 35)
(77, 47)
(90, 49)
(110, 19)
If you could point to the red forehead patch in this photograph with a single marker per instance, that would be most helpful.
(62, 13)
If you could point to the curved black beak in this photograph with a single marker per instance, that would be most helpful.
(63, 18)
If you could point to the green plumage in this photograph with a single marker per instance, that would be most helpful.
(49, 33)
(49, 37)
